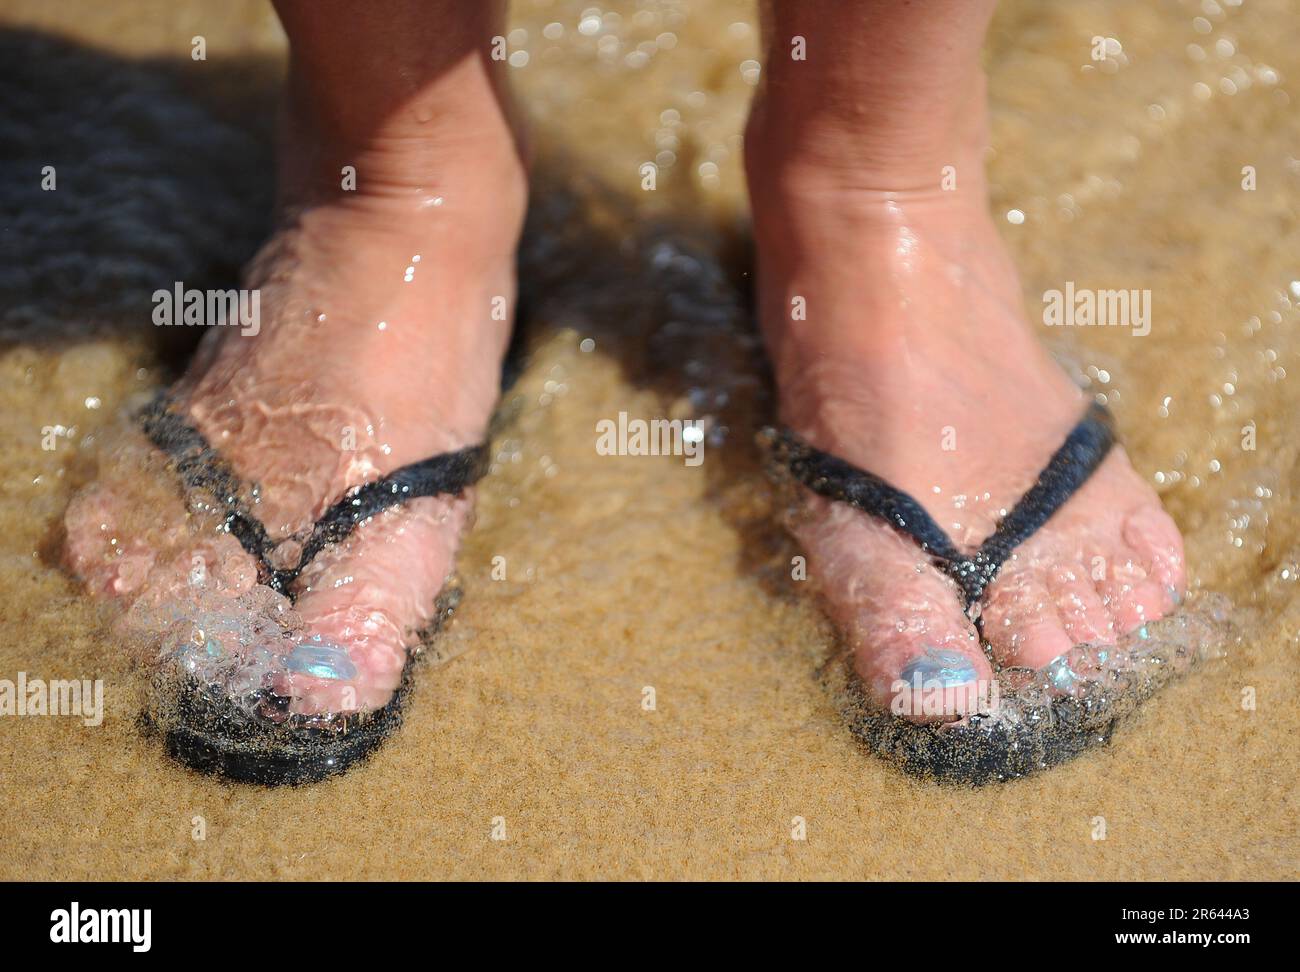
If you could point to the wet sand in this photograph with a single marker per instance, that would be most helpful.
(630, 572)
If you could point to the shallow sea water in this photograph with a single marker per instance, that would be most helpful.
(627, 573)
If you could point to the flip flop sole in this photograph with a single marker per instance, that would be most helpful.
(975, 755)
(1025, 738)
(204, 730)
(210, 743)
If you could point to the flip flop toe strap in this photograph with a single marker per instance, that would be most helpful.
(200, 467)
(1068, 469)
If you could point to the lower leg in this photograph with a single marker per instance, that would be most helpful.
(392, 87)
(885, 94)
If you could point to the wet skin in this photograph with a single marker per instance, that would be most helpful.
(386, 312)
(913, 359)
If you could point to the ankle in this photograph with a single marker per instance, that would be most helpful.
(454, 141)
(424, 193)
(864, 148)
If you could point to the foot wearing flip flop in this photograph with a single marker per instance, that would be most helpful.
(893, 316)
(385, 304)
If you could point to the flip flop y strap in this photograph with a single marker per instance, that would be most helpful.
(200, 467)
(1068, 469)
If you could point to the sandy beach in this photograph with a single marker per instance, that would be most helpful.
(633, 572)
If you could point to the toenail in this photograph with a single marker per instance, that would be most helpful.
(320, 659)
(1060, 674)
(948, 668)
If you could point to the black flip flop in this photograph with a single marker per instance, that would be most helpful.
(202, 727)
(981, 749)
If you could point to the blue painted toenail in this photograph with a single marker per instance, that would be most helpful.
(321, 659)
(1062, 676)
(948, 668)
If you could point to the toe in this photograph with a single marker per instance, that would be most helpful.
(364, 603)
(1142, 582)
(97, 551)
(1132, 596)
(1079, 606)
(350, 660)
(935, 679)
(1153, 536)
(913, 648)
(1021, 621)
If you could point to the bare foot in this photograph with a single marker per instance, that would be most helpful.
(385, 317)
(916, 362)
